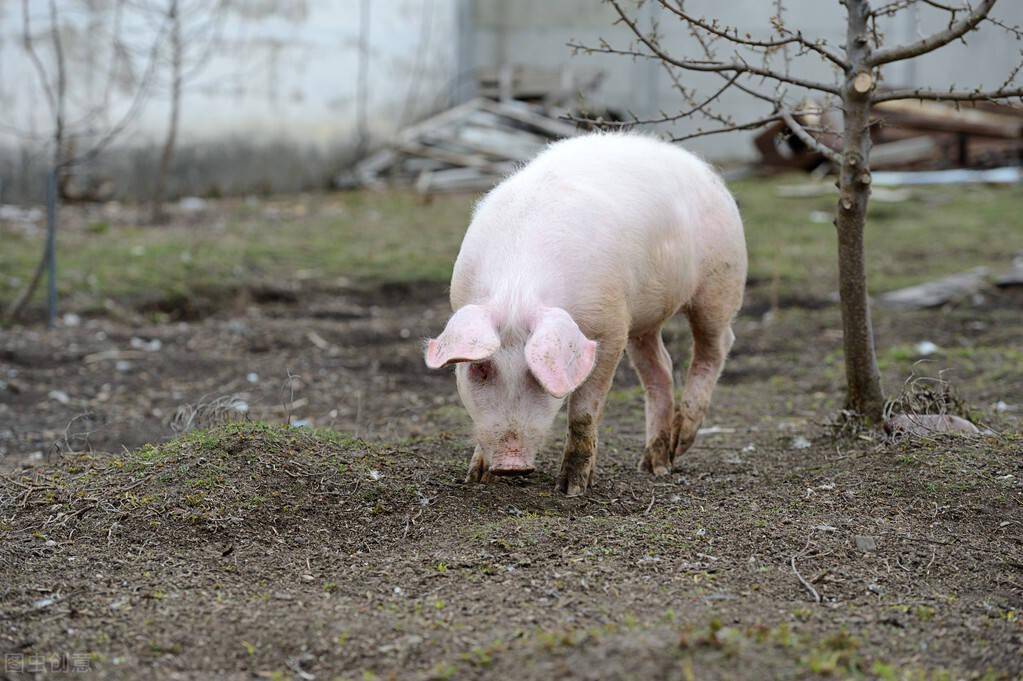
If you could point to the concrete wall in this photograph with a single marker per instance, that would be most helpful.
(269, 103)
(535, 33)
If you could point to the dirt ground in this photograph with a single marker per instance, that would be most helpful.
(346, 546)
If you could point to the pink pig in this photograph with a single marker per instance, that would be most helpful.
(577, 257)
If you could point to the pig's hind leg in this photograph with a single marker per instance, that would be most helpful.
(710, 318)
(652, 363)
(585, 409)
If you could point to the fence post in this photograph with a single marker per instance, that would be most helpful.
(51, 246)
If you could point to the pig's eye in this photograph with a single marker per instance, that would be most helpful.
(481, 372)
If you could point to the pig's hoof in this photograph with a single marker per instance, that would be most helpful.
(682, 446)
(574, 482)
(478, 472)
(657, 457)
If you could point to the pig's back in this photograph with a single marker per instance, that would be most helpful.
(598, 220)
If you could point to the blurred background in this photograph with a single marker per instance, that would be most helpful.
(255, 199)
(283, 95)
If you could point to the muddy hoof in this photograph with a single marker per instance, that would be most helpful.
(510, 471)
(655, 469)
(477, 471)
(571, 488)
(575, 483)
(656, 458)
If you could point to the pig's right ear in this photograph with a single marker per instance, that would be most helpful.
(469, 337)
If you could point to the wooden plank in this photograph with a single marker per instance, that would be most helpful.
(937, 117)
(442, 119)
(444, 155)
(458, 179)
(523, 113)
(498, 143)
(937, 293)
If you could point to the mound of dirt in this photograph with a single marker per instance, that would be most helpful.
(281, 552)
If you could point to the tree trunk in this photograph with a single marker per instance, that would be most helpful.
(863, 379)
(170, 141)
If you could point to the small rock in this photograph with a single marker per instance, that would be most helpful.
(926, 348)
(59, 396)
(153, 345)
(800, 442)
(865, 543)
(252, 377)
(71, 319)
(192, 204)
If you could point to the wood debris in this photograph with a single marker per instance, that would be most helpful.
(908, 135)
(937, 293)
(470, 147)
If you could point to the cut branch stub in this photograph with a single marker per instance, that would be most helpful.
(863, 82)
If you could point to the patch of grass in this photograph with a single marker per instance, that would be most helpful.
(939, 231)
(368, 238)
(364, 237)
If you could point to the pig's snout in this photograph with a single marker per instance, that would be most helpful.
(509, 458)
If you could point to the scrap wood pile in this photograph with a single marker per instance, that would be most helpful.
(909, 135)
(470, 147)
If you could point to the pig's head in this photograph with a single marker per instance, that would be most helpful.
(512, 377)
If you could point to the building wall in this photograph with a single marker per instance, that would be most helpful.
(270, 98)
(536, 33)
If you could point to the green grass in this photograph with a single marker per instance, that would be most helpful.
(939, 231)
(366, 238)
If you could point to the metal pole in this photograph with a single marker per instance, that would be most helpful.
(51, 245)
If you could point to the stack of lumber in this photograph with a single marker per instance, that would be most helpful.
(470, 147)
(911, 135)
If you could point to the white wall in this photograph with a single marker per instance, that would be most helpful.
(535, 33)
(278, 74)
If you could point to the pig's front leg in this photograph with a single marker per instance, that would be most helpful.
(585, 409)
(478, 470)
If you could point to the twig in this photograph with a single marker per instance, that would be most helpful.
(809, 587)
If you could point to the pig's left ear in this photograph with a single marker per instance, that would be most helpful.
(558, 353)
(468, 337)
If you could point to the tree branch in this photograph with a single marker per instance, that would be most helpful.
(733, 67)
(948, 96)
(796, 38)
(955, 30)
(664, 118)
(809, 140)
(37, 63)
(751, 125)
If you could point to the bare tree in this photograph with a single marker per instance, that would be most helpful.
(762, 70)
(193, 34)
(74, 140)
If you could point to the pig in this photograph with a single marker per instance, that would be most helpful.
(576, 258)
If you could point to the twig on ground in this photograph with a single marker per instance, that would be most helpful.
(809, 587)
